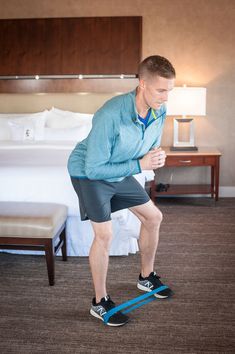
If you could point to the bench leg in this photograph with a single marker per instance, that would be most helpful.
(64, 246)
(49, 250)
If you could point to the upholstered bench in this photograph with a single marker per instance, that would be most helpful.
(34, 226)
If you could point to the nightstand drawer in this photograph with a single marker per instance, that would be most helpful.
(185, 161)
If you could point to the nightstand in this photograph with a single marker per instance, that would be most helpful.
(203, 157)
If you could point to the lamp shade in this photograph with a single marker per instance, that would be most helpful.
(187, 101)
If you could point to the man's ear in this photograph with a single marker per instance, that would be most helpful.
(141, 84)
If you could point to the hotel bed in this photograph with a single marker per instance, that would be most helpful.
(36, 169)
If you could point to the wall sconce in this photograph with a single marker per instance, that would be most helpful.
(186, 101)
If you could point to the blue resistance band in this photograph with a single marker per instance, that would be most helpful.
(139, 301)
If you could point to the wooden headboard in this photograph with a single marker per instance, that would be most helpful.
(76, 102)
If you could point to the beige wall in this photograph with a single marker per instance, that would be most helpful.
(198, 36)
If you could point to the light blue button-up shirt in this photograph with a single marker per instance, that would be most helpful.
(116, 141)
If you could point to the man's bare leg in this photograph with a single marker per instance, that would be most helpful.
(150, 217)
(99, 256)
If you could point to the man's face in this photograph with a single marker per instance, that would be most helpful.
(155, 90)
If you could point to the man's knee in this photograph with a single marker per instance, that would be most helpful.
(104, 237)
(154, 218)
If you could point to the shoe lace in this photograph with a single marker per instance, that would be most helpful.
(109, 304)
(155, 279)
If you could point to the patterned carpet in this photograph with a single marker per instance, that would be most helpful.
(195, 257)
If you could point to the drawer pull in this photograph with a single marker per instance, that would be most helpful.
(185, 161)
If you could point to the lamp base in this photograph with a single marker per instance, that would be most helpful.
(183, 148)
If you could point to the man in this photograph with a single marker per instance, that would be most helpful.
(124, 140)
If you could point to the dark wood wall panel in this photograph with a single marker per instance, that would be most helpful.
(68, 85)
(58, 46)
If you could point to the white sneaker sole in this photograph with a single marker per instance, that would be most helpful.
(93, 313)
(144, 288)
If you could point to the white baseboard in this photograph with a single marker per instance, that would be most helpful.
(227, 192)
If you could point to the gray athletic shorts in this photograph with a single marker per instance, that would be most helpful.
(98, 198)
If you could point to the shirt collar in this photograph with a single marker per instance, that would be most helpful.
(155, 113)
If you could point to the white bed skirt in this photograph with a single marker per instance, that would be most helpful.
(80, 237)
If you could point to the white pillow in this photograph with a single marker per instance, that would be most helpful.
(29, 127)
(22, 132)
(65, 113)
(68, 134)
(60, 119)
(5, 133)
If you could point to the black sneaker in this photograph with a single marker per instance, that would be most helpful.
(101, 308)
(152, 282)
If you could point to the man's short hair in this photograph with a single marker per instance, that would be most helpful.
(155, 65)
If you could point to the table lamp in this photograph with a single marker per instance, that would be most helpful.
(187, 102)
